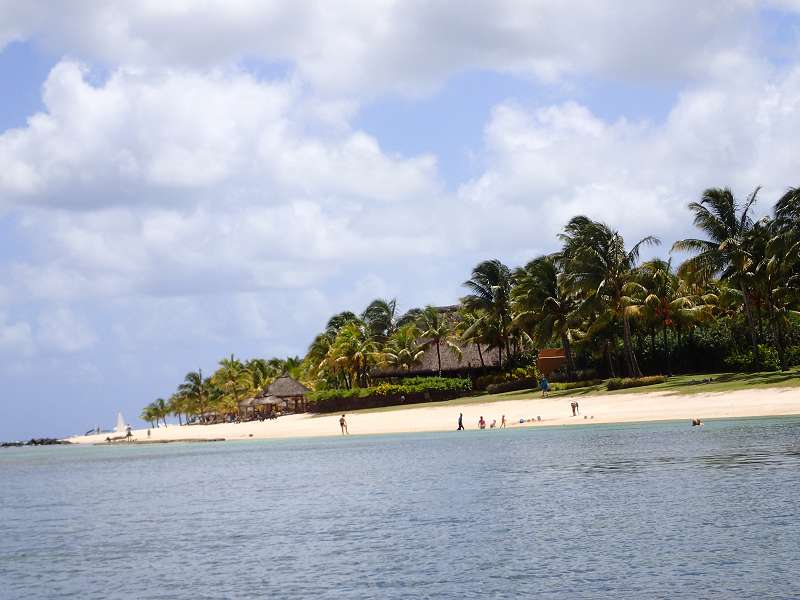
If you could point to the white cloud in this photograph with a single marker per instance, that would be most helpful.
(180, 132)
(356, 46)
(546, 164)
(61, 330)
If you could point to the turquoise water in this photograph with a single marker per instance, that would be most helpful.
(627, 511)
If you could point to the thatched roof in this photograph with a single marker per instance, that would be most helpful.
(266, 400)
(469, 359)
(286, 387)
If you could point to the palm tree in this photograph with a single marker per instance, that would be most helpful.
(160, 410)
(438, 331)
(149, 414)
(728, 224)
(353, 352)
(601, 271)
(403, 349)
(195, 389)
(380, 318)
(490, 287)
(235, 380)
(544, 307)
(469, 329)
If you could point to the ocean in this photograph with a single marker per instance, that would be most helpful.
(652, 510)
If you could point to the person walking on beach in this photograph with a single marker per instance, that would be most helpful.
(460, 422)
(343, 425)
(577, 408)
(545, 385)
(503, 422)
(572, 406)
(128, 434)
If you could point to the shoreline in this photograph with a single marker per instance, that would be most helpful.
(601, 409)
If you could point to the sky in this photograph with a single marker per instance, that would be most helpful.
(182, 181)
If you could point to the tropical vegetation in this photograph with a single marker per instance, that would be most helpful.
(728, 298)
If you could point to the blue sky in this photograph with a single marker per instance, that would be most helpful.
(165, 202)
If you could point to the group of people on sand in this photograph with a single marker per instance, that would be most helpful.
(482, 423)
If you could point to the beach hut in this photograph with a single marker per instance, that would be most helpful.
(248, 404)
(286, 391)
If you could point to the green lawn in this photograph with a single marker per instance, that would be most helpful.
(679, 384)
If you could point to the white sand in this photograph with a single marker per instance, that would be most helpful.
(653, 406)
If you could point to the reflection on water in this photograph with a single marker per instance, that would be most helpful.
(633, 511)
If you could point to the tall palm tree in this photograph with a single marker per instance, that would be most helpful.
(727, 224)
(195, 389)
(235, 381)
(353, 352)
(161, 410)
(380, 318)
(544, 307)
(470, 329)
(436, 328)
(601, 271)
(403, 349)
(149, 414)
(490, 292)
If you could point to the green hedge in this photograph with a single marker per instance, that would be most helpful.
(412, 390)
(572, 385)
(622, 383)
(512, 386)
(532, 382)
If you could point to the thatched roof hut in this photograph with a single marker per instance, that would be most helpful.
(473, 357)
(284, 390)
(286, 387)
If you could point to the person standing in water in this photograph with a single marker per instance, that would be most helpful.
(460, 422)
(343, 425)
(482, 423)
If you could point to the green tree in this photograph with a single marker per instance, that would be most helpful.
(601, 272)
(727, 224)
(490, 296)
(403, 349)
(234, 380)
(437, 330)
(545, 308)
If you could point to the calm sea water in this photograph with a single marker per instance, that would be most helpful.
(628, 511)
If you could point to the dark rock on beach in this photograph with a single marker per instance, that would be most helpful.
(35, 442)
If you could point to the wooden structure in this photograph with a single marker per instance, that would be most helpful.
(549, 360)
(285, 391)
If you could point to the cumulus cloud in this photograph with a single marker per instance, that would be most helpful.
(552, 162)
(410, 47)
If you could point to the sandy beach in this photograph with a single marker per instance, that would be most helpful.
(620, 408)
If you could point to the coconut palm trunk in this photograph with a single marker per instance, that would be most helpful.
(438, 357)
(568, 355)
(631, 365)
(748, 311)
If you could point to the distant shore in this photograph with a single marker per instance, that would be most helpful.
(619, 408)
